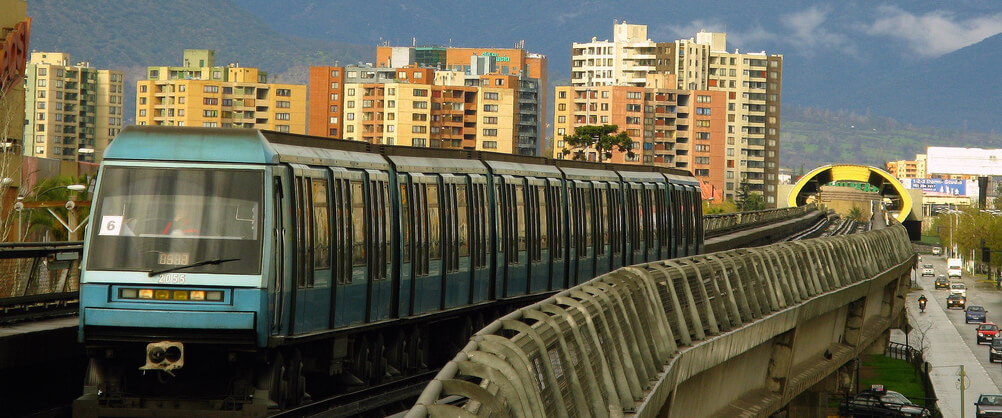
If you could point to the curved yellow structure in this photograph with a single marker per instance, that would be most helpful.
(811, 182)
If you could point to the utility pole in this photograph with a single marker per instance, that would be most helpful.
(963, 383)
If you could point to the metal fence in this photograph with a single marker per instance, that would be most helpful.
(724, 223)
(39, 268)
(597, 349)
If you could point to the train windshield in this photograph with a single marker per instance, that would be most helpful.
(151, 219)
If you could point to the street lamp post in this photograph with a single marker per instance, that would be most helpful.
(72, 224)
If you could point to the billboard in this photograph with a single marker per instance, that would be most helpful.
(944, 186)
(953, 160)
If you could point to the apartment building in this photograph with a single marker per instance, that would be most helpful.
(72, 111)
(199, 93)
(904, 169)
(752, 83)
(530, 68)
(426, 107)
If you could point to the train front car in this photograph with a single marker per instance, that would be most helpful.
(173, 290)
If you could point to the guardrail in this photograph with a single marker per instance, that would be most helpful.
(36, 268)
(720, 224)
(605, 347)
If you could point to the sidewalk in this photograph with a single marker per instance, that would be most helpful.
(945, 351)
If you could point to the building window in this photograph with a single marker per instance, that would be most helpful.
(282, 128)
(391, 128)
(702, 135)
(142, 100)
(702, 111)
(349, 129)
(350, 104)
(491, 96)
(210, 113)
(419, 129)
(210, 124)
(335, 85)
(350, 116)
(419, 142)
(41, 105)
(561, 119)
(282, 116)
(283, 92)
(42, 71)
(391, 103)
(333, 119)
(332, 132)
(632, 107)
(283, 104)
(210, 101)
(490, 108)
(420, 92)
(634, 95)
(702, 99)
(499, 82)
(334, 96)
(561, 107)
(210, 89)
(490, 144)
(490, 120)
(419, 117)
(226, 102)
(420, 105)
(490, 132)
(562, 95)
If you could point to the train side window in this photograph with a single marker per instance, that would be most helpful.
(384, 207)
(603, 220)
(448, 227)
(502, 215)
(480, 224)
(405, 220)
(589, 211)
(544, 224)
(462, 224)
(556, 210)
(304, 219)
(421, 228)
(650, 218)
(520, 218)
(342, 233)
(615, 221)
(321, 225)
(358, 223)
(434, 223)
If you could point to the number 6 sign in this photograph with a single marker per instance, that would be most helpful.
(111, 225)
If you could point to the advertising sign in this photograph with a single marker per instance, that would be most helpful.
(945, 186)
(954, 160)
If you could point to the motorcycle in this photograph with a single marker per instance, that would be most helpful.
(922, 303)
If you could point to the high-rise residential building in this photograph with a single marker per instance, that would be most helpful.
(904, 169)
(72, 111)
(752, 83)
(530, 68)
(670, 127)
(199, 93)
(427, 107)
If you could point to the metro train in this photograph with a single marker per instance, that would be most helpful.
(247, 270)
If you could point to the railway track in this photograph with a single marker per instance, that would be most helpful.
(37, 307)
(374, 401)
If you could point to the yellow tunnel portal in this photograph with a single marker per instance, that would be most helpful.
(888, 186)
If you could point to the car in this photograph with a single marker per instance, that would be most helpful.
(974, 313)
(927, 270)
(955, 301)
(942, 282)
(988, 406)
(879, 402)
(958, 288)
(987, 331)
(936, 250)
(995, 350)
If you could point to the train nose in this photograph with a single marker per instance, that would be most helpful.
(164, 355)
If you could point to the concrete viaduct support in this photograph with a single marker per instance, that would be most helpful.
(761, 327)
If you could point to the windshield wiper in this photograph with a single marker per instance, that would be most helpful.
(200, 263)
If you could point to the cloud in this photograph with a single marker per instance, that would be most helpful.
(753, 37)
(934, 33)
(808, 34)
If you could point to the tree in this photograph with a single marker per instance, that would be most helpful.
(40, 221)
(748, 201)
(603, 139)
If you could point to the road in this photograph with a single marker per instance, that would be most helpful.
(938, 329)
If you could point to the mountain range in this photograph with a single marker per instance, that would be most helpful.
(924, 63)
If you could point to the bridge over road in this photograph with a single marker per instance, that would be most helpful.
(768, 328)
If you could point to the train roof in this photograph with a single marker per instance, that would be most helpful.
(523, 169)
(224, 145)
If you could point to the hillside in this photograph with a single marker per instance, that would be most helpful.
(812, 137)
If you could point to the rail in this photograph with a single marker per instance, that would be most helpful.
(612, 345)
(39, 279)
(720, 224)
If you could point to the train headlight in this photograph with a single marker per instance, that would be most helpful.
(180, 295)
(214, 295)
(129, 293)
(146, 293)
(161, 294)
(197, 295)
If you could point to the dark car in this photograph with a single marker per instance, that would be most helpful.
(942, 282)
(878, 402)
(987, 332)
(975, 313)
(956, 300)
(995, 350)
(988, 406)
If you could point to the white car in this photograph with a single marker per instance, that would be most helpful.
(958, 288)
(936, 250)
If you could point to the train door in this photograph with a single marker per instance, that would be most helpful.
(616, 224)
(480, 244)
(700, 237)
(584, 218)
(351, 225)
(379, 260)
(603, 248)
(677, 214)
(650, 222)
(635, 217)
(538, 235)
(406, 214)
(514, 236)
(456, 241)
(573, 228)
(427, 256)
(663, 220)
(280, 299)
(558, 261)
(312, 261)
(691, 203)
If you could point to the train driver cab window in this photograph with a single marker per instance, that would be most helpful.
(150, 219)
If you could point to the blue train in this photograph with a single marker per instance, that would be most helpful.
(255, 269)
